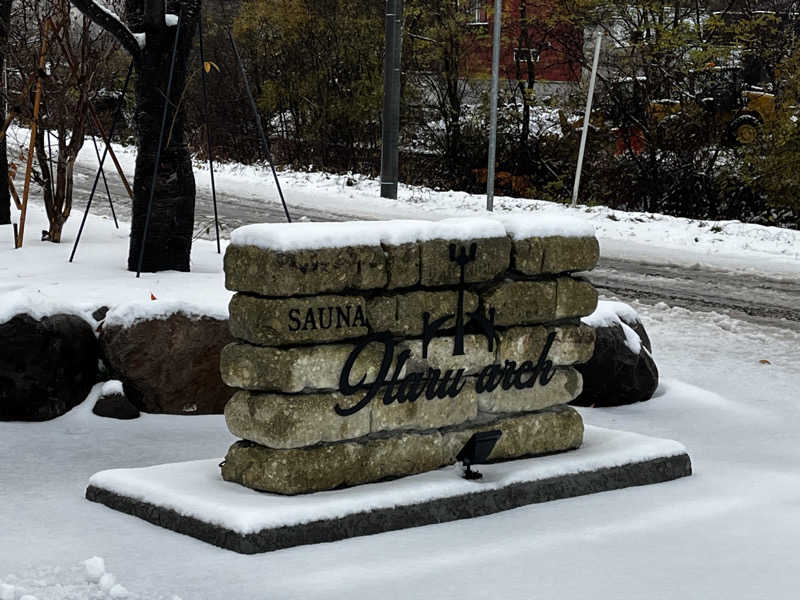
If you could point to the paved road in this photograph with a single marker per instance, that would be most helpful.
(751, 297)
(754, 298)
(234, 211)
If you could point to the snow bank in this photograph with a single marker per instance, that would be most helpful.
(284, 237)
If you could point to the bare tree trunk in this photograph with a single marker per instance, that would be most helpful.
(5, 195)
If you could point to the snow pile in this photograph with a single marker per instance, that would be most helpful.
(610, 313)
(284, 237)
(88, 580)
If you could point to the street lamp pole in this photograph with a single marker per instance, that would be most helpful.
(498, 13)
(391, 98)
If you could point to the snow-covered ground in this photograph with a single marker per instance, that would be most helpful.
(728, 393)
(729, 531)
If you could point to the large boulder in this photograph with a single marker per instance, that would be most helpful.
(47, 366)
(622, 369)
(169, 364)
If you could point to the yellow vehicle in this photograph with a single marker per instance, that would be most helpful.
(740, 108)
(735, 107)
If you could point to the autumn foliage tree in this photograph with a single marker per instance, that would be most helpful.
(317, 70)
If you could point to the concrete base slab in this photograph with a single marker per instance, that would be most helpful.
(191, 497)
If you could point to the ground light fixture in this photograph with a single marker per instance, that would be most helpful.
(477, 450)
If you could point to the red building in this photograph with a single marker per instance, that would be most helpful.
(538, 42)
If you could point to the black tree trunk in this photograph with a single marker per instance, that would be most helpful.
(169, 236)
(5, 195)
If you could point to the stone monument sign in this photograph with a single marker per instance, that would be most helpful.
(374, 350)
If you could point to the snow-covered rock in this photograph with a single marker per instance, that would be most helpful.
(621, 370)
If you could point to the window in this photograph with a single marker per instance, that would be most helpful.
(477, 12)
(525, 55)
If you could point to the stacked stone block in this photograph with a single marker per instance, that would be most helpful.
(301, 316)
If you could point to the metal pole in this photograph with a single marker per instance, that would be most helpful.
(396, 81)
(50, 162)
(105, 183)
(498, 16)
(167, 102)
(391, 99)
(586, 115)
(114, 119)
(257, 117)
(209, 150)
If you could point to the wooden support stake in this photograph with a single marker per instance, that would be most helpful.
(34, 123)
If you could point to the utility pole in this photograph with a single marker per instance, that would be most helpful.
(498, 15)
(586, 115)
(391, 98)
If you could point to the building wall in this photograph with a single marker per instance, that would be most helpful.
(553, 49)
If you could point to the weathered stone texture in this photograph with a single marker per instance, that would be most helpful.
(403, 264)
(564, 387)
(527, 255)
(282, 321)
(170, 365)
(281, 421)
(296, 369)
(493, 256)
(304, 272)
(575, 298)
(555, 254)
(423, 413)
(440, 354)
(328, 466)
(402, 314)
(572, 344)
(562, 254)
(554, 429)
(522, 302)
